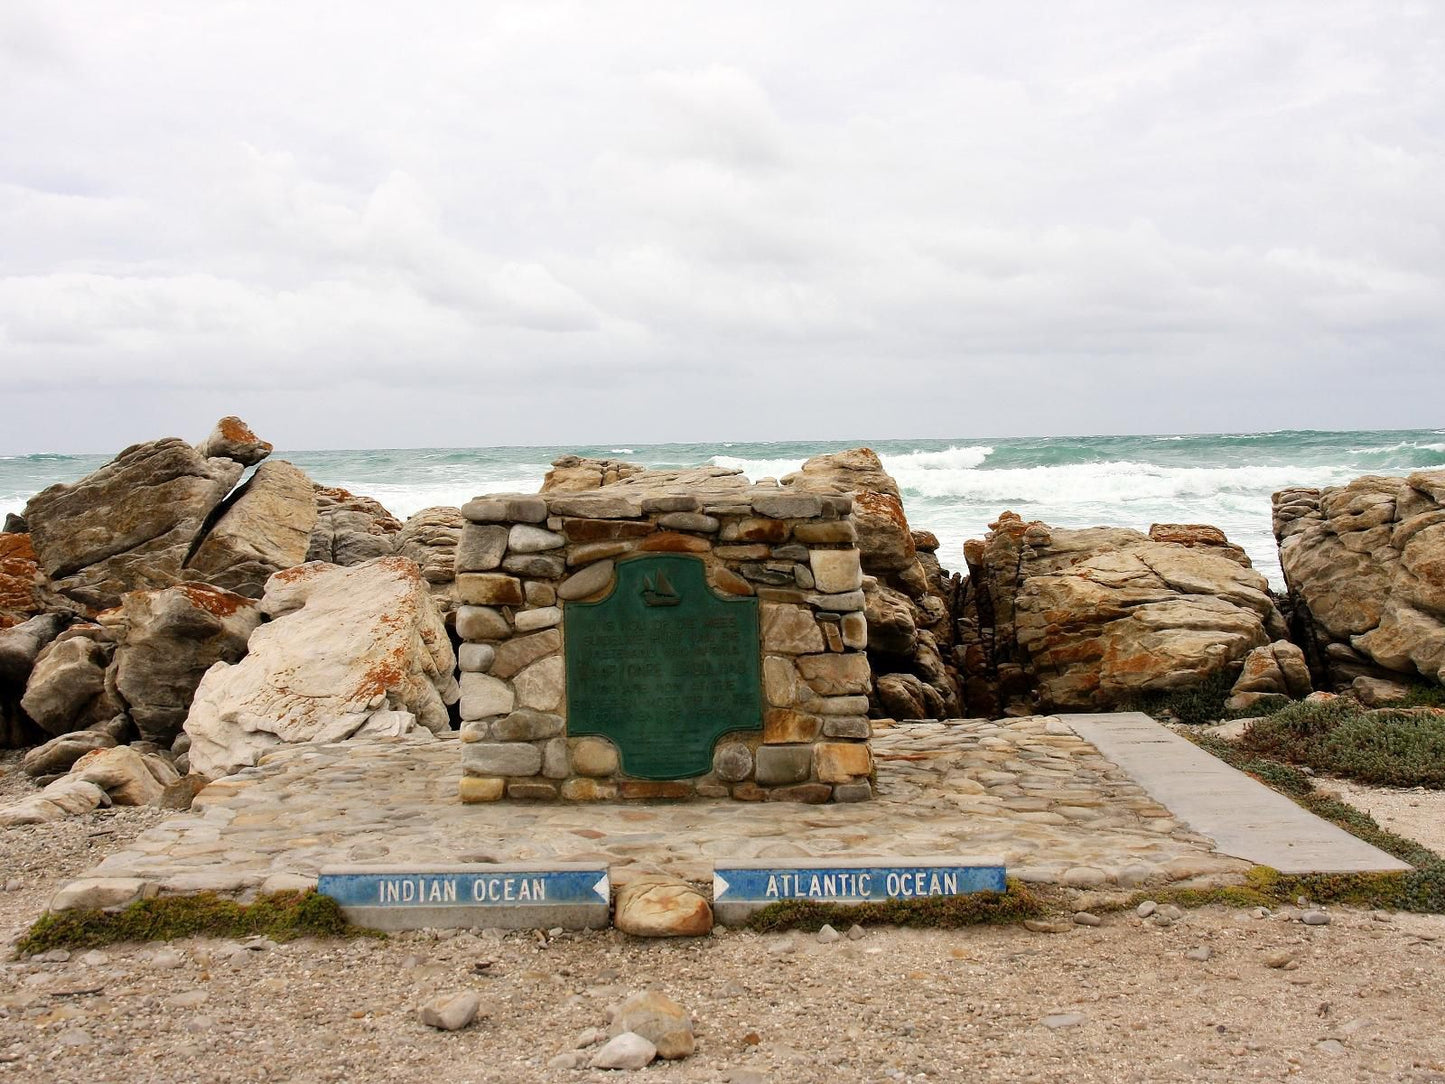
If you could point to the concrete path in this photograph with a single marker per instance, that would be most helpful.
(1245, 818)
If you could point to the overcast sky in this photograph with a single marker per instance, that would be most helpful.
(368, 223)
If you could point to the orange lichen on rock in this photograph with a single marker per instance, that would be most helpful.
(20, 580)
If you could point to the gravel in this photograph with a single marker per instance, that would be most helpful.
(1354, 1000)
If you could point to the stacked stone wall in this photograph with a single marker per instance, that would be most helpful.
(522, 559)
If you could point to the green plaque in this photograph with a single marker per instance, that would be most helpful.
(663, 666)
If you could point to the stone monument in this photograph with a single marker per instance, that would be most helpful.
(631, 642)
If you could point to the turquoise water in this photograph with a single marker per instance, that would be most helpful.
(951, 487)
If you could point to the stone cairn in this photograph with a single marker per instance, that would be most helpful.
(522, 559)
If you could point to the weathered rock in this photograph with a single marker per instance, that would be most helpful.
(658, 1019)
(23, 590)
(58, 754)
(232, 439)
(123, 774)
(350, 529)
(1374, 692)
(263, 527)
(67, 689)
(1365, 567)
(66, 797)
(131, 524)
(451, 1012)
(172, 638)
(20, 647)
(657, 906)
(343, 644)
(430, 539)
(1276, 669)
(626, 1051)
(1091, 618)
(1200, 536)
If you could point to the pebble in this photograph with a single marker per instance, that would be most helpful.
(1038, 925)
(1330, 1046)
(588, 1037)
(167, 960)
(1063, 1020)
(93, 958)
(626, 1051)
(827, 935)
(1282, 959)
(1202, 953)
(1147, 908)
(1315, 918)
(191, 999)
(856, 932)
(54, 956)
(568, 1059)
(782, 946)
(199, 1025)
(1087, 918)
(451, 1012)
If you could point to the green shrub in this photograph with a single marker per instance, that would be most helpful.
(1202, 703)
(1387, 747)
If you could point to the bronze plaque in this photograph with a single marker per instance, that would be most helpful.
(663, 666)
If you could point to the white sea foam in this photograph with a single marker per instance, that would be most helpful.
(757, 468)
(953, 458)
(622, 451)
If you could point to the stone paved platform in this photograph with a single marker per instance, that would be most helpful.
(1030, 790)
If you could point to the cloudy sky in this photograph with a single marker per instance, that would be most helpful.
(363, 223)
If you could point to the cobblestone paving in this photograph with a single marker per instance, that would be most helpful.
(1027, 789)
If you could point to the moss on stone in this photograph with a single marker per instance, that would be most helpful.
(281, 917)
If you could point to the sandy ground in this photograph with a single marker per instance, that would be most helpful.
(1415, 813)
(1359, 999)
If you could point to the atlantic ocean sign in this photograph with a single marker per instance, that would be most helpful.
(744, 886)
(570, 895)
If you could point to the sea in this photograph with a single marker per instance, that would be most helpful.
(952, 487)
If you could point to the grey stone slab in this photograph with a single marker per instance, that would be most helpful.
(1245, 818)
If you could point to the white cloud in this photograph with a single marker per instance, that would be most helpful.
(770, 221)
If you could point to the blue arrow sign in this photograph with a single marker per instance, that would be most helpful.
(856, 880)
(465, 886)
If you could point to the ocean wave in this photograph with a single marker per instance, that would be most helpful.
(956, 457)
(1113, 482)
(622, 451)
(757, 468)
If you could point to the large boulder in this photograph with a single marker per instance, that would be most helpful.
(20, 647)
(67, 689)
(1274, 672)
(1365, 568)
(350, 529)
(171, 638)
(232, 439)
(1090, 619)
(343, 645)
(129, 525)
(263, 527)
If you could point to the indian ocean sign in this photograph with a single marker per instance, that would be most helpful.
(566, 894)
(744, 886)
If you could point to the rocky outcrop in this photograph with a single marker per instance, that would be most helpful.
(1273, 673)
(116, 775)
(20, 647)
(1365, 568)
(430, 539)
(575, 474)
(342, 645)
(1089, 619)
(910, 598)
(350, 529)
(131, 524)
(263, 527)
(67, 689)
(1200, 536)
(171, 638)
(232, 439)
